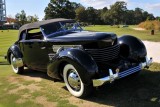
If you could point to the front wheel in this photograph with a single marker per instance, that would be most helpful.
(16, 69)
(74, 83)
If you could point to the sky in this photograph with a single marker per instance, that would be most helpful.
(32, 7)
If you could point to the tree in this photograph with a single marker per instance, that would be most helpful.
(76, 5)
(105, 16)
(21, 18)
(98, 19)
(102, 14)
(61, 9)
(138, 13)
(91, 15)
(81, 14)
(116, 13)
(158, 18)
(32, 19)
(151, 17)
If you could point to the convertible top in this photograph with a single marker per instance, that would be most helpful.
(44, 22)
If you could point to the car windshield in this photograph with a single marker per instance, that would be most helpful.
(60, 29)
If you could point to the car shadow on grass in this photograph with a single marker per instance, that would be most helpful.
(143, 90)
(37, 74)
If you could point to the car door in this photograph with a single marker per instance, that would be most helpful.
(35, 53)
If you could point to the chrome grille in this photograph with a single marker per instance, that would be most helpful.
(104, 54)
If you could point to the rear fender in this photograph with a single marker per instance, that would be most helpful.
(14, 49)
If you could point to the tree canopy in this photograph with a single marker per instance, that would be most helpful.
(21, 18)
(61, 9)
(81, 14)
(116, 14)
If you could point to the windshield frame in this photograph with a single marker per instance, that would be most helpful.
(64, 31)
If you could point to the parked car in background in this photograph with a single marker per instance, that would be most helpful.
(82, 59)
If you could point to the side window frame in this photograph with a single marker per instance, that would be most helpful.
(22, 34)
(36, 34)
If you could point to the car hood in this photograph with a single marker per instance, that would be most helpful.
(85, 36)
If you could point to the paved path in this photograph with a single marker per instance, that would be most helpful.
(153, 50)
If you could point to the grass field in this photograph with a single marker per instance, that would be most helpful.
(144, 35)
(36, 89)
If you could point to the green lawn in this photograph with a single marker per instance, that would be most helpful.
(144, 35)
(36, 89)
(7, 38)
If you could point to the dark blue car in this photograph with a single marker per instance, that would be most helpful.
(81, 58)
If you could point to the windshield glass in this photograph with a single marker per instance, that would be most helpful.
(60, 28)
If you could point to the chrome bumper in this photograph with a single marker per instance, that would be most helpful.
(117, 75)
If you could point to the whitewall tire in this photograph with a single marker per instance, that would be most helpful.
(16, 69)
(74, 83)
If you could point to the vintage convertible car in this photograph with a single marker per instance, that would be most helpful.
(82, 59)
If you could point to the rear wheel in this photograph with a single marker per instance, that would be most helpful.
(74, 83)
(16, 69)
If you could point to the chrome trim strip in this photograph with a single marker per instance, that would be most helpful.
(129, 71)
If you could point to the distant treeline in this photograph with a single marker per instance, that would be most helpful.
(116, 14)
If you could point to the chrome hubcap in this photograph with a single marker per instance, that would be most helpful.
(74, 80)
(13, 62)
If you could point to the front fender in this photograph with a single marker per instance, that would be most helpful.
(14, 49)
(85, 65)
(132, 48)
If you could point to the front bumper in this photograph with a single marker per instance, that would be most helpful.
(117, 75)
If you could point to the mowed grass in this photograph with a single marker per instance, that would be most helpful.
(7, 38)
(144, 35)
(36, 89)
(31, 89)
